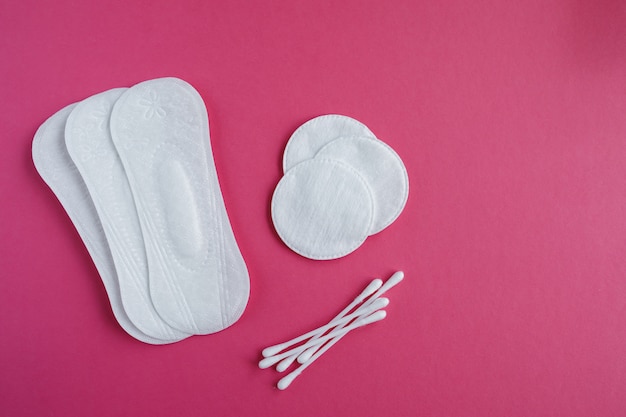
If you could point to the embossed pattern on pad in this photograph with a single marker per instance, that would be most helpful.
(198, 280)
(89, 143)
(322, 209)
(382, 169)
(58, 171)
(309, 138)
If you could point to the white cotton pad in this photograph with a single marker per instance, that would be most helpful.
(90, 146)
(322, 209)
(382, 169)
(314, 134)
(58, 171)
(198, 279)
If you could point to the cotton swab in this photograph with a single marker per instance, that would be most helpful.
(368, 312)
(291, 355)
(287, 380)
(390, 283)
(370, 289)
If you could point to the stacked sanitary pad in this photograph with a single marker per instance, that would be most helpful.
(134, 170)
(341, 185)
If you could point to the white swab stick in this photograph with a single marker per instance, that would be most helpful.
(390, 283)
(373, 286)
(314, 343)
(269, 361)
(287, 380)
(286, 363)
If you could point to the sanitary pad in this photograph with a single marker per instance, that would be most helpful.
(89, 143)
(198, 279)
(58, 171)
(341, 184)
(134, 170)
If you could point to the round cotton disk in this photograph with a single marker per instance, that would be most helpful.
(322, 209)
(382, 169)
(314, 134)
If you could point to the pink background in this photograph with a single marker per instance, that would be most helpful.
(511, 120)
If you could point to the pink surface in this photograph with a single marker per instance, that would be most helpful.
(511, 120)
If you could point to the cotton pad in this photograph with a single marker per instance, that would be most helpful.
(309, 212)
(322, 209)
(57, 169)
(382, 169)
(198, 279)
(309, 138)
(91, 148)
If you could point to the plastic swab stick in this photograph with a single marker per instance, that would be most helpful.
(390, 283)
(314, 343)
(369, 290)
(287, 380)
(271, 360)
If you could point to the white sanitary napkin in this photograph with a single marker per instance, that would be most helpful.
(341, 184)
(147, 203)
